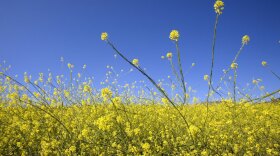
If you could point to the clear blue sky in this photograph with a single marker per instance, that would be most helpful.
(34, 34)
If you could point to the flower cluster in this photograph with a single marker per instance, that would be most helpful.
(104, 36)
(245, 39)
(174, 35)
(219, 6)
(135, 62)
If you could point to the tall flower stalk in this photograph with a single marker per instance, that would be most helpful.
(234, 67)
(181, 72)
(212, 61)
(174, 36)
(218, 7)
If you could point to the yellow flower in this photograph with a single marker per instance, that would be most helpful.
(117, 100)
(104, 36)
(255, 82)
(195, 99)
(187, 95)
(165, 101)
(106, 93)
(234, 66)
(146, 146)
(135, 62)
(169, 55)
(70, 65)
(26, 79)
(219, 7)
(66, 93)
(136, 131)
(85, 132)
(72, 149)
(245, 39)
(264, 63)
(87, 88)
(206, 77)
(174, 35)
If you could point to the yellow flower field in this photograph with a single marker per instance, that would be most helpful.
(243, 129)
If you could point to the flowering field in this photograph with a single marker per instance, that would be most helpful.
(141, 129)
(69, 115)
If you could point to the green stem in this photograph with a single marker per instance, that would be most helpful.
(234, 86)
(181, 71)
(175, 73)
(212, 63)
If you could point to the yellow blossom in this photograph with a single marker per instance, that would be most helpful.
(245, 39)
(165, 101)
(87, 88)
(219, 7)
(106, 93)
(264, 63)
(169, 55)
(174, 35)
(234, 66)
(206, 77)
(104, 36)
(135, 62)
(146, 146)
(72, 149)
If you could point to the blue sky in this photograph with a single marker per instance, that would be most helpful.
(35, 34)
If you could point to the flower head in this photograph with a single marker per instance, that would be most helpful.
(70, 65)
(245, 39)
(234, 66)
(169, 55)
(206, 77)
(135, 62)
(264, 63)
(164, 101)
(254, 81)
(104, 36)
(219, 7)
(106, 93)
(84, 66)
(174, 35)
(87, 88)
(145, 146)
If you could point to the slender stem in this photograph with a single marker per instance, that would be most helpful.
(181, 71)
(212, 63)
(176, 74)
(275, 74)
(234, 86)
(211, 73)
(263, 97)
